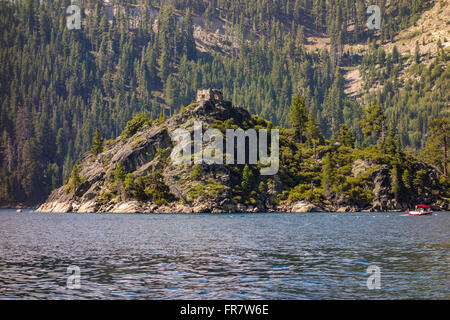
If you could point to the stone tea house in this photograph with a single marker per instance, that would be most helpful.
(214, 95)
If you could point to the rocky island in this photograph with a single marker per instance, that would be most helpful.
(135, 173)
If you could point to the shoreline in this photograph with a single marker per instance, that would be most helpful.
(132, 207)
(31, 210)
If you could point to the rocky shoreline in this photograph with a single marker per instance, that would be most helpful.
(140, 207)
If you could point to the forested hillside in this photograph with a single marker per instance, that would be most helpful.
(59, 86)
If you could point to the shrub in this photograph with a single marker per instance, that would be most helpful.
(406, 178)
(129, 182)
(104, 198)
(419, 178)
(137, 141)
(134, 125)
(109, 142)
(119, 173)
(152, 188)
(210, 190)
(237, 199)
(75, 180)
(304, 192)
(360, 195)
(197, 172)
(262, 187)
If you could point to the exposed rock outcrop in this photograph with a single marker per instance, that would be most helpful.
(303, 206)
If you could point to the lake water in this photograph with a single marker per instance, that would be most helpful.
(230, 256)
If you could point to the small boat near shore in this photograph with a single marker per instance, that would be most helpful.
(420, 210)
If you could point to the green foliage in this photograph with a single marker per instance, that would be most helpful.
(418, 181)
(312, 130)
(408, 96)
(375, 154)
(155, 188)
(391, 144)
(395, 181)
(262, 187)
(148, 188)
(192, 105)
(305, 192)
(247, 180)
(359, 188)
(171, 91)
(129, 183)
(346, 137)
(31, 167)
(406, 179)
(97, 144)
(207, 191)
(373, 121)
(435, 151)
(104, 198)
(109, 142)
(360, 195)
(297, 115)
(417, 53)
(197, 172)
(134, 125)
(119, 173)
(224, 125)
(328, 171)
(137, 141)
(75, 180)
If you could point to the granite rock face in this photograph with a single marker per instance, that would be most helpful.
(304, 206)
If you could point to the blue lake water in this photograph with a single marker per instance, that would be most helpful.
(230, 256)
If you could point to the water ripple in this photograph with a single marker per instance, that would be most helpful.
(240, 256)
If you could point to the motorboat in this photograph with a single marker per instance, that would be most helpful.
(420, 210)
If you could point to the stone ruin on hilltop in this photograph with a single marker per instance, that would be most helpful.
(213, 95)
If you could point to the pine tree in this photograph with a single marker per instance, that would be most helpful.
(436, 148)
(164, 66)
(417, 52)
(298, 116)
(247, 180)
(172, 91)
(75, 180)
(346, 137)
(190, 49)
(395, 181)
(390, 144)
(372, 122)
(97, 144)
(312, 130)
(327, 174)
(31, 168)
(119, 173)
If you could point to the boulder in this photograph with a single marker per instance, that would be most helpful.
(88, 207)
(202, 208)
(127, 207)
(55, 206)
(303, 206)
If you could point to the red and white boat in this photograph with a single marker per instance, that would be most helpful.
(421, 210)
